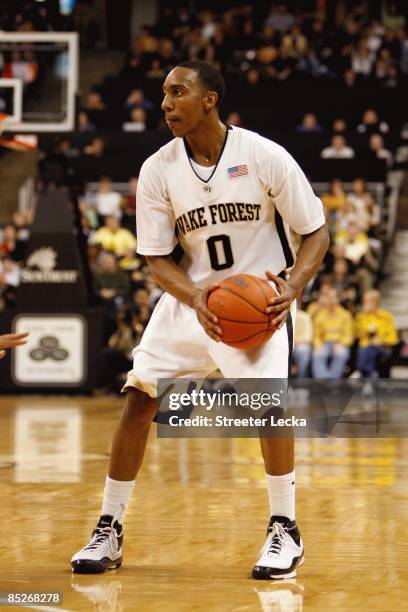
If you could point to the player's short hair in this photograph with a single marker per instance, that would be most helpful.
(209, 77)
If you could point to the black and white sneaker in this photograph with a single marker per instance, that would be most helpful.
(104, 551)
(282, 552)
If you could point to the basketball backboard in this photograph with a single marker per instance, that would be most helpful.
(39, 80)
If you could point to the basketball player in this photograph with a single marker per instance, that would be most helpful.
(228, 196)
(9, 341)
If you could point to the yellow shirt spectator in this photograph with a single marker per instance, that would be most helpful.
(114, 238)
(303, 328)
(335, 198)
(378, 325)
(333, 325)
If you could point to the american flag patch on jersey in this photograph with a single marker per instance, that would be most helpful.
(235, 171)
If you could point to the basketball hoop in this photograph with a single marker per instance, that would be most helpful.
(16, 142)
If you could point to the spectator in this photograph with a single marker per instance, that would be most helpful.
(376, 334)
(11, 245)
(355, 242)
(94, 102)
(141, 297)
(350, 78)
(338, 149)
(279, 18)
(133, 65)
(110, 282)
(348, 214)
(370, 124)
(129, 206)
(137, 98)
(114, 238)
(107, 201)
(66, 149)
(117, 356)
(253, 77)
(11, 271)
(343, 279)
(129, 261)
(268, 60)
(392, 78)
(137, 121)
(371, 211)
(302, 353)
(22, 222)
(234, 118)
(155, 71)
(145, 42)
(359, 190)
(339, 126)
(317, 305)
(309, 124)
(377, 147)
(312, 65)
(23, 66)
(96, 109)
(96, 148)
(333, 336)
(335, 198)
(392, 19)
(269, 37)
(84, 122)
(374, 34)
(383, 63)
(362, 60)
(295, 43)
(208, 27)
(283, 66)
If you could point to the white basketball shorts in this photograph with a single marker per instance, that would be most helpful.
(175, 345)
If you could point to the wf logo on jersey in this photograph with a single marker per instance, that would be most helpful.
(235, 171)
(230, 212)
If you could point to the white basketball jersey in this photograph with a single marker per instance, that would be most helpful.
(235, 222)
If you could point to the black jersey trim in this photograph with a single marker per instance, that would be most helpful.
(284, 240)
(190, 155)
(289, 329)
(177, 253)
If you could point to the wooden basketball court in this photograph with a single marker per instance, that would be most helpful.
(197, 518)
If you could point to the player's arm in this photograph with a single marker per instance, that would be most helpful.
(9, 341)
(308, 262)
(175, 281)
(301, 210)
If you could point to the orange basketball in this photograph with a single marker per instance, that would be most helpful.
(239, 303)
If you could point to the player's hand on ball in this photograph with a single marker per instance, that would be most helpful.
(205, 317)
(281, 304)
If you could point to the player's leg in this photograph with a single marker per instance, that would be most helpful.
(129, 440)
(160, 355)
(282, 551)
(104, 551)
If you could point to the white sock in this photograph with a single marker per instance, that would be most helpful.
(116, 492)
(281, 492)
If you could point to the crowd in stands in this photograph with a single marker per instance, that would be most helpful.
(256, 44)
(341, 327)
(45, 16)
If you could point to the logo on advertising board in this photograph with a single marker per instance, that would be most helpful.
(40, 268)
(55, 353)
